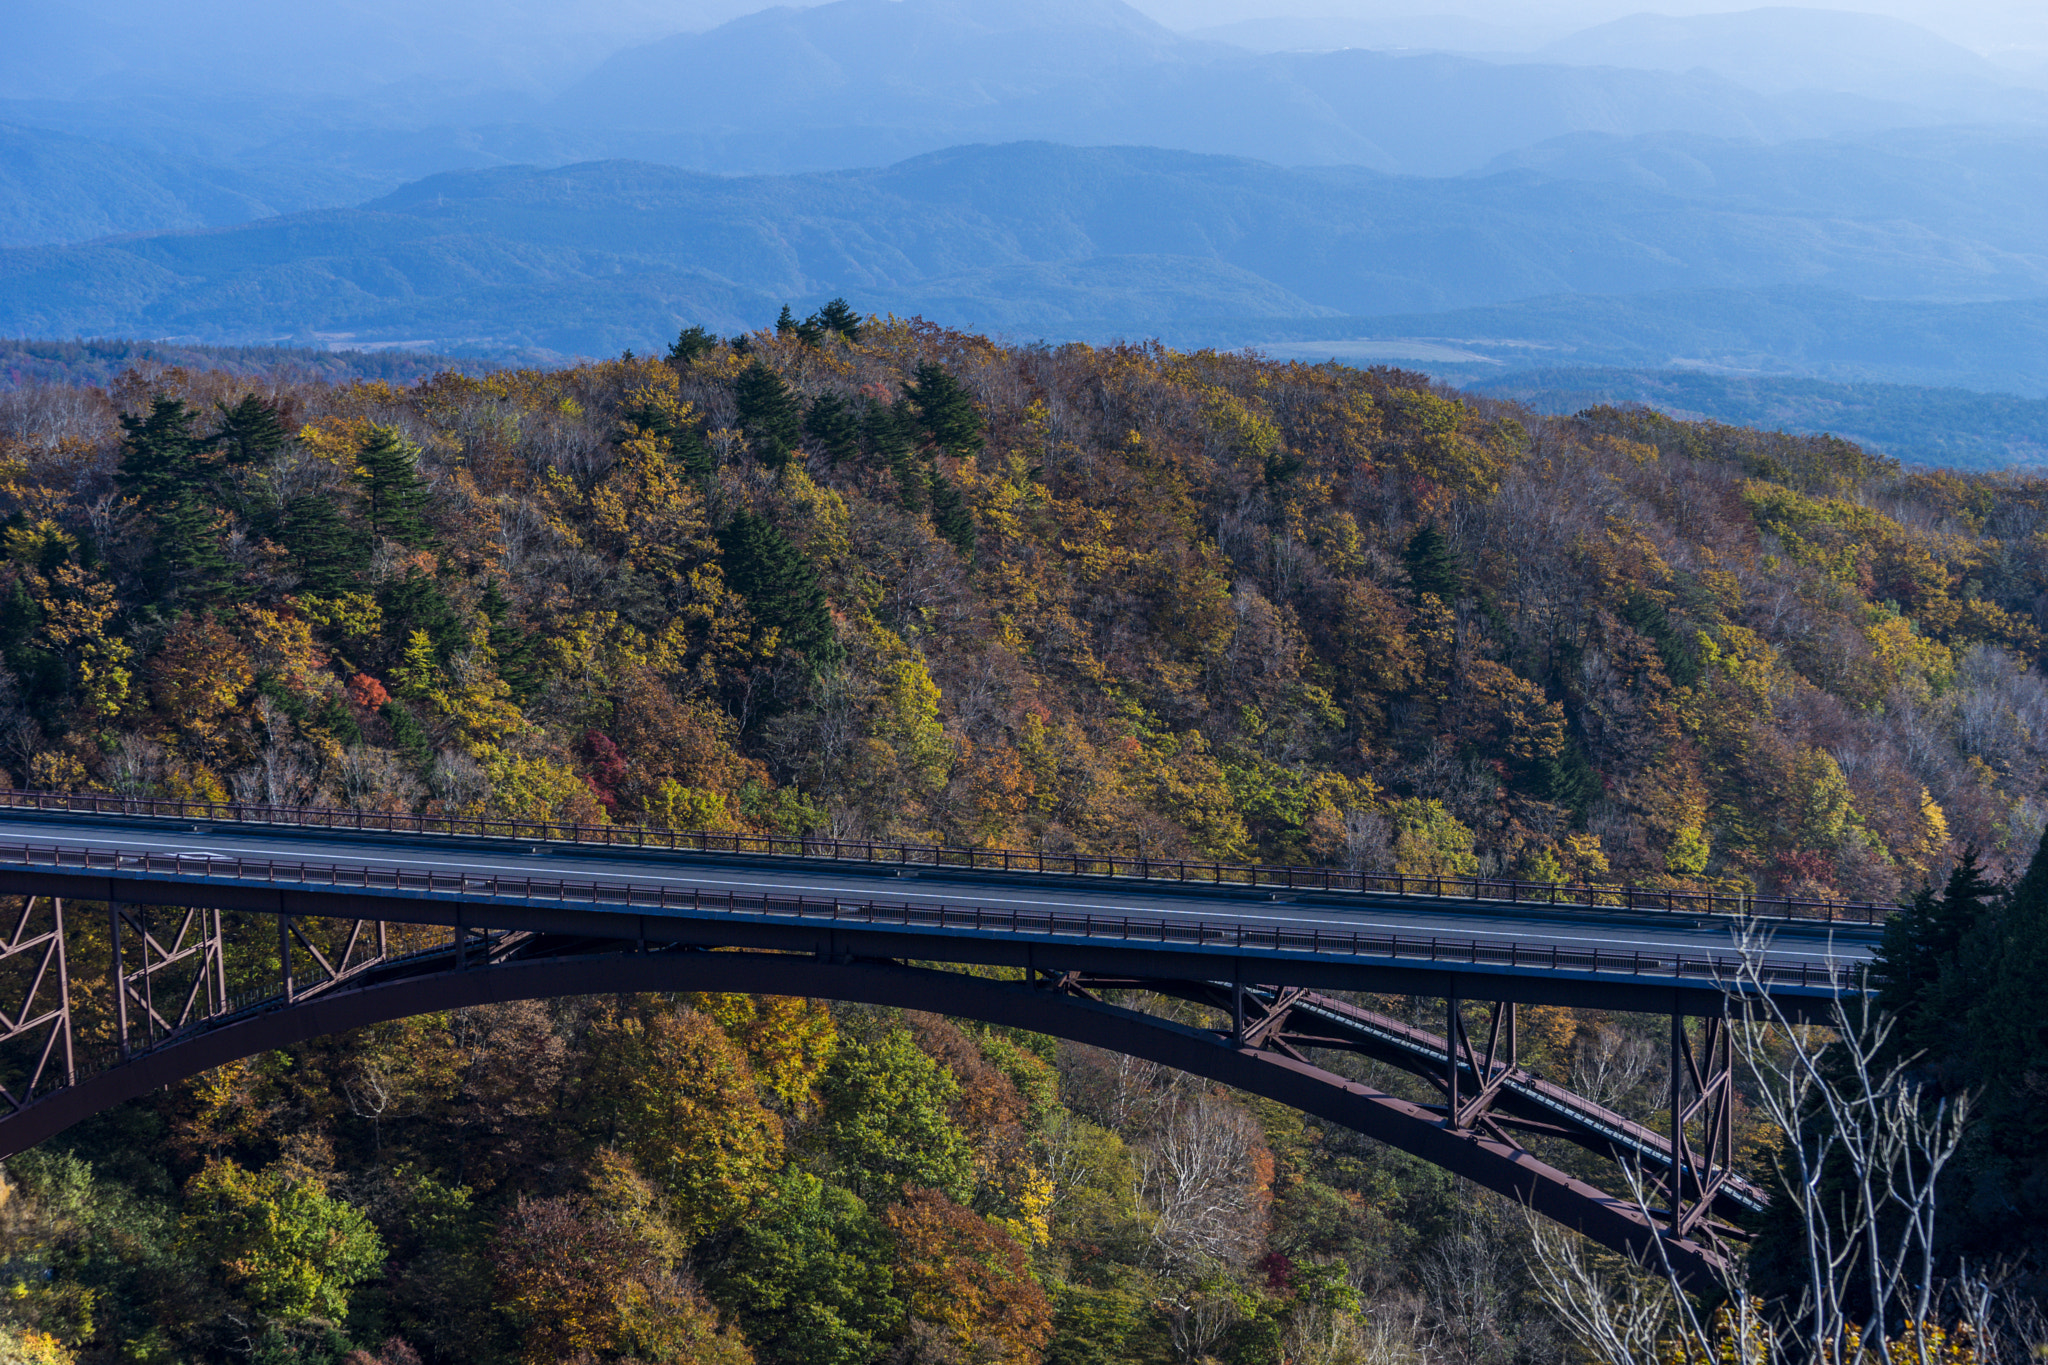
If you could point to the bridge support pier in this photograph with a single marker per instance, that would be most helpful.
(1705, 1073)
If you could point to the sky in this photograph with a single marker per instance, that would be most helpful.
(57, 49)
(1984, 25)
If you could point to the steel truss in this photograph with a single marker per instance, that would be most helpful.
(1485, 1091)
(35, 1005)
(198, 988)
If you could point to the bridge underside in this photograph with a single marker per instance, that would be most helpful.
(199, 988)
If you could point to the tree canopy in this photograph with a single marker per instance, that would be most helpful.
(876, 579)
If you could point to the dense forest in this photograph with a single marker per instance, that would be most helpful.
(871, 578)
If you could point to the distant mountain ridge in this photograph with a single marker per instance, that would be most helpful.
(859, 83)
(862, 81)
(1951, 428)
(1737, 334)
(56, 188)
(1045, 241)
(1991, 185)
(871, 59)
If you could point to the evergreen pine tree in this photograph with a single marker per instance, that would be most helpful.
(785, 325)
(945, 409)
(332, 555)
(44, 679)
(518, 656)
(163, 466)
(830, 422)
(415, 603)
(685, 444)
(812, 332)
(649, 418)
(741, 344)
(838, 316)
(189, 560)
(1567, 778)
(891, 432)
(1432, 564)
(1653, 622)
(693, 452)
(1922, 947)
(779, 585)
(394, 494)
(412, 738)
(1937, 978)
(20, 616)
(55, 550)
(693, 342)
(950, 516)
(340, 723)
(251, 431)
(160, 454)
(768, 413)
(496, 607)
(1991, 1031)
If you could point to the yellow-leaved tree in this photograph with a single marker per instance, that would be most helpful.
(789, 1040)
(678, 1095)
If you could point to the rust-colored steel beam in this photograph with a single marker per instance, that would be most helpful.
(1495, 1093)
(508, 965)
(42, 1012)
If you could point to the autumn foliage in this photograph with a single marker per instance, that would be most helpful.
(878, 579)
(893, 581)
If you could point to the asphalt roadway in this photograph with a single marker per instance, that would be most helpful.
(1792, 943)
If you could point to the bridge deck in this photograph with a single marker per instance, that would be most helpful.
(209, 928)
(1560, 954)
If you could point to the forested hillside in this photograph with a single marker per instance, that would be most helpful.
(877, 579)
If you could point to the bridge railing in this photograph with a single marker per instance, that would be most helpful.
(1152, 929)
(1182, 870)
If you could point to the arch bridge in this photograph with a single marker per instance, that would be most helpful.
(151, 941)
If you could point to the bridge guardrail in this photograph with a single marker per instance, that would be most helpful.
(885, 914)
(1188, 871)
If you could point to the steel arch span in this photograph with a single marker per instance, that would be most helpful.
(179, 1023)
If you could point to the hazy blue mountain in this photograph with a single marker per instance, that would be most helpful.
(1437, 114)
(1986, 184)
(1382, 33)
(1948, 427)
(1130, 295)
(872, 60)
(1034, 239)
(24, 363)
(1018, 238)
(1999, 346)
(56, 188)
(856, 82)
